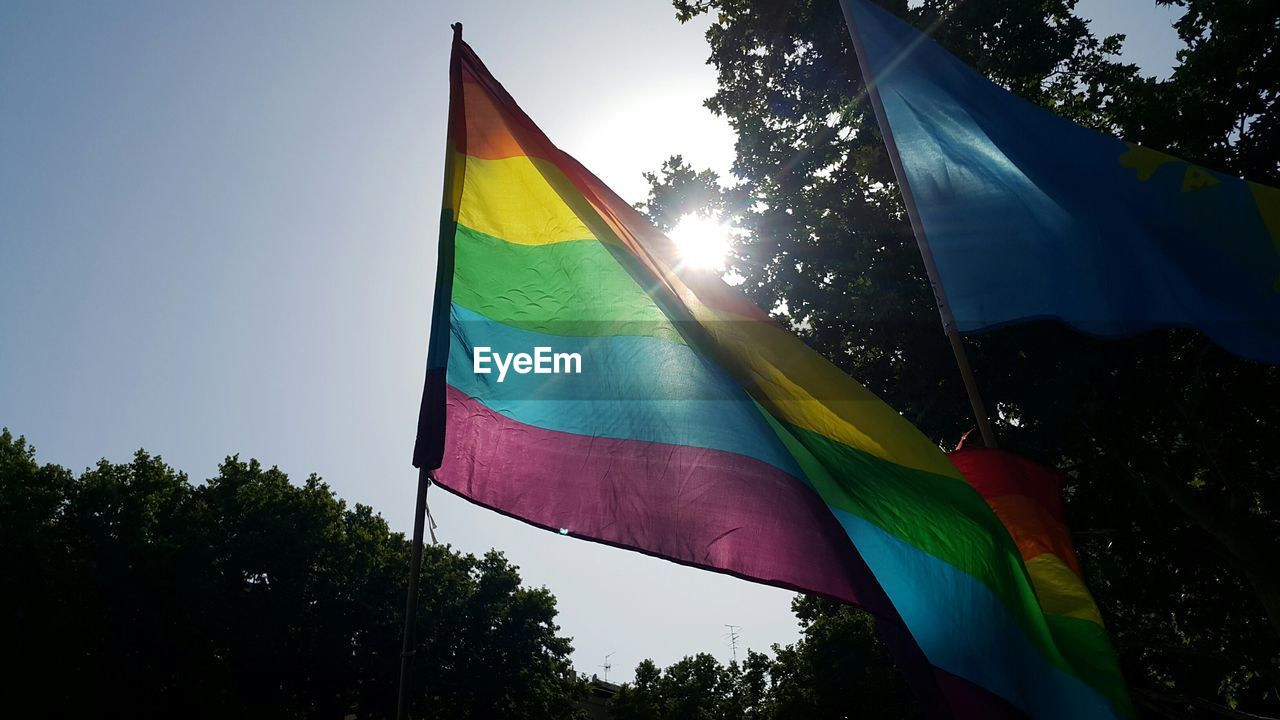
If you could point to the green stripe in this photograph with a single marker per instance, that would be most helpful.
(1085, 645)
(942, 516)
(576, 288)
(946, 518)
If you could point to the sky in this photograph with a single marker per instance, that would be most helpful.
(217, 232)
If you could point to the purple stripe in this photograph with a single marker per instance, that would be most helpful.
(707, 508)
(971, 702)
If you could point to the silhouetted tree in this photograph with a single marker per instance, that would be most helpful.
(837, 670)
(129, 591)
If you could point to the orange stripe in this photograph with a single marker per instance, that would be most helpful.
(1034, 529)
(488, 136)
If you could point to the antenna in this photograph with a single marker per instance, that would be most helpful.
(733, 636)
(606, 666)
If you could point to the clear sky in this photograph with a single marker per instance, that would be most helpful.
(217, 231)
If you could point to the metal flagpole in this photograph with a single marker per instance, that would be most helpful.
(411, 607)
(944, 308)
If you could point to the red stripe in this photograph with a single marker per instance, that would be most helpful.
(994, 473)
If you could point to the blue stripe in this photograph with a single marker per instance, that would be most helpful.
(630, 388)
(964, 629)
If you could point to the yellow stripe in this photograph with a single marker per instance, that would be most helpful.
(1060, 591)
(521, 200)
(802, 388)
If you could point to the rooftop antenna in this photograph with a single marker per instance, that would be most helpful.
(733, 636)
(606, 666)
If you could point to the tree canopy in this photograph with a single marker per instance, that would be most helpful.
(1168, 440)
(837, 667)
(129, 590)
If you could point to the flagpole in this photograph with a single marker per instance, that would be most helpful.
(944, 308)
(411, 606)
(429, 445)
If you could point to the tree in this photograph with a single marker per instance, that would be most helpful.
(838, 669)
(130, 590)
(1169, 441)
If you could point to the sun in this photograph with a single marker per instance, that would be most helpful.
(702, 241)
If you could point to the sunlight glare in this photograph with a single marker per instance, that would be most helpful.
(702, 241)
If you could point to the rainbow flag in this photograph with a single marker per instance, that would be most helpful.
(1028, 500)
(698, 430)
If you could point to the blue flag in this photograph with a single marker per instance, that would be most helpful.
(1029, 216)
